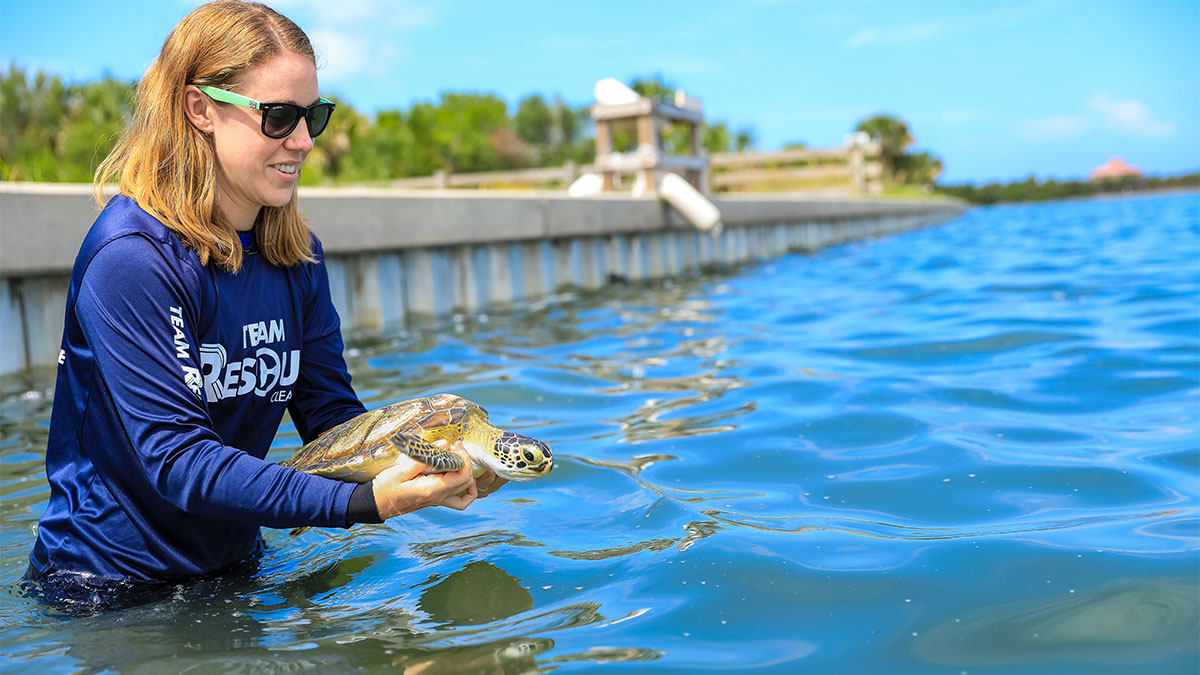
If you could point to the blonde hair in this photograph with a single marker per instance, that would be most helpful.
(168, 166)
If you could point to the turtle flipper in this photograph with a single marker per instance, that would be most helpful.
(437, 459)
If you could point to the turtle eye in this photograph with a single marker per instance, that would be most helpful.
(522, 451)
(534, 451)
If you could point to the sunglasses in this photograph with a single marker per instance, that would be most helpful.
(278, 119)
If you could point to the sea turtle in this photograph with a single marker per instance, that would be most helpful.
(358, 450)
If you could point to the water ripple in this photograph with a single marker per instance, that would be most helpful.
(869, 528)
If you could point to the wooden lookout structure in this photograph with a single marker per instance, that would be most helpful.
(649, 159)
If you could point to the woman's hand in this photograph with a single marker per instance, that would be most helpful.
(401, 488)
(488, 483)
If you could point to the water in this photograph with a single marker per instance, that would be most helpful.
(969, 448)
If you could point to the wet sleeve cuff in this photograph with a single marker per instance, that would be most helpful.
(361, 508)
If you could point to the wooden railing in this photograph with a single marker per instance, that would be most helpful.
(853, 170)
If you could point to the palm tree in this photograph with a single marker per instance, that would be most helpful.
(893, 137)
(919, 168)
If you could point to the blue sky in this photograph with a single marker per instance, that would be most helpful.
(998, 90)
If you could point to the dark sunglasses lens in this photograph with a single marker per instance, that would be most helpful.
(278, 121)
(318, 117)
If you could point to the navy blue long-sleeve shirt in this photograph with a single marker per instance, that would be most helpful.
(172, 382)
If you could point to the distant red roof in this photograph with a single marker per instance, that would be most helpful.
(1114, 168)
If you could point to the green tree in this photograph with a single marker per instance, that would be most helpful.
(536, 126)
(51, 131)
(715, 138)
(535, 121)
(384, 151)
(569, 124)
(571, 139)
(893, 137)
(347, 128)
(99, 111)
(920, 168)
(654, 88)
(427, 155)
(465, 130)
(744, 140)
(31, 114)
(1032, 190)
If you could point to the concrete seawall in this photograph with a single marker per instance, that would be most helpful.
(393, 254)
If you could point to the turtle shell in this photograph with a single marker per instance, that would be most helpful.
(359, 449)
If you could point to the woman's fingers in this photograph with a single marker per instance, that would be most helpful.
(402, 488)
(489, 482)
(462, 501)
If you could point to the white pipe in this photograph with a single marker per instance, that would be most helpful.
(688, 201)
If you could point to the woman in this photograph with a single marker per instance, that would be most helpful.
(198, 311)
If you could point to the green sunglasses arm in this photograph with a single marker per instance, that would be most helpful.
(237, 99)
(228, 97)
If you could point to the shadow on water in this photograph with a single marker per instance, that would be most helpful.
(1127, 621)
(240, 624)
(476, 594)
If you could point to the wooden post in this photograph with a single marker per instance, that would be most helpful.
(441, 179)
(858, 178)
(872, 169)
(604, 146)
(647, 131)
(696, 145)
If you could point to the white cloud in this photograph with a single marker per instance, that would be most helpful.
(1053, 128)
(1128, 116)
(899, 35)
(959, 26)
(356, 37)
(1102, 111)
(393, 14)
(339, 55)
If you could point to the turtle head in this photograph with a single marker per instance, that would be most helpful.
(520, 458)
